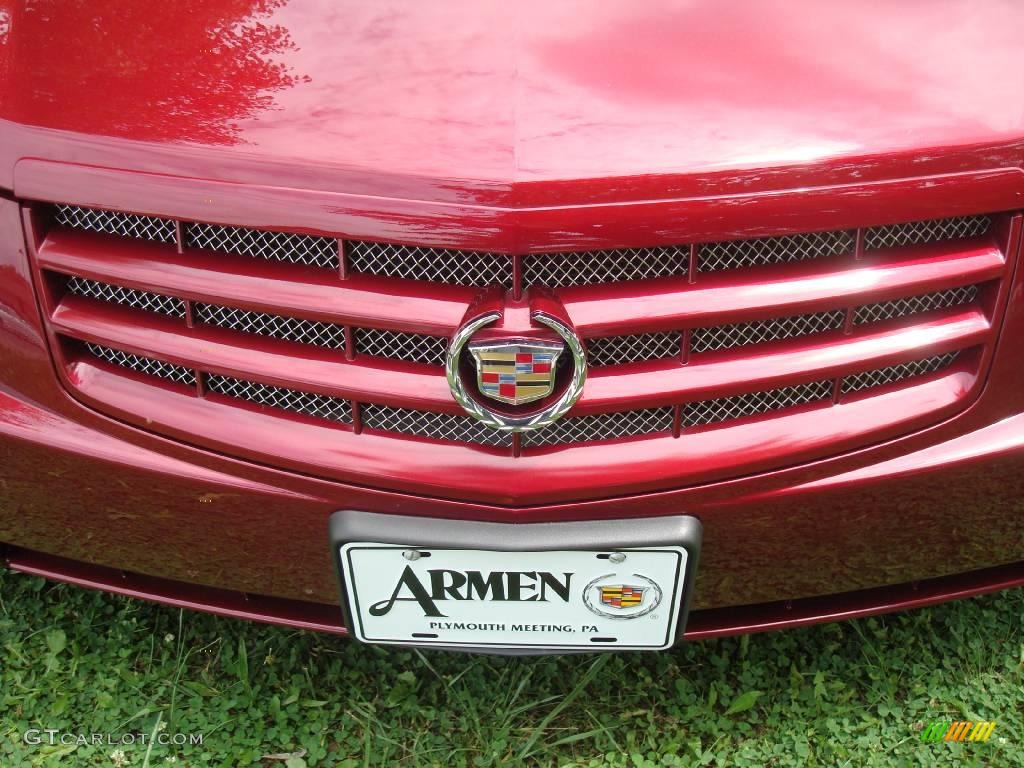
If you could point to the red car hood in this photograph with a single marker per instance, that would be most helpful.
(469, 100)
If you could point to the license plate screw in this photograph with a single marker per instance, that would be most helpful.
(617, 557)
(411, 554)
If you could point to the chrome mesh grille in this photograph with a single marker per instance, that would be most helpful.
(115, 223)
(893, 373)
(313, 332)
(736, 254)
(917, 232)
(438, 426)
(438, 265)
(890, 310)
(560, 270)
(307, 403)
(741, 334)
(129, 297)
(616, 350)
(147, 365)
(602, 426)
(263, 244)
(754, 403)
(414, 347)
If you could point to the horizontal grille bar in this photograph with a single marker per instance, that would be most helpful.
(306, 403)
(608, 350)
(555, 270)
(572, 430)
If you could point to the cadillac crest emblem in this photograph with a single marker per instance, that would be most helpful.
(516, 371)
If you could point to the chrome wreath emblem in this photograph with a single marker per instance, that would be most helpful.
(516, 371)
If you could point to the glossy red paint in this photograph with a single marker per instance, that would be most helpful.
(544, 127)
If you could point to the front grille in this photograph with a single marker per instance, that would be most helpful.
(306, 403)
(554, 270)
(319, 334)
(393, 399)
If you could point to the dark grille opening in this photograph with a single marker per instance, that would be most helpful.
(413, 347)
(880, 377)
(262, 244)
(147, 365)
(115, 223)
(761, 251)
(742, 334)
(438, 265)
(602, 426)
(890, 310)
(296, 401)
(754, 403)
(616, 350)
(560, 270)
(313, 332)
(129, 297)
(919, 232)
(438, 426)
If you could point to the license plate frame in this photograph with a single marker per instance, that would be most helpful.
(537, 548)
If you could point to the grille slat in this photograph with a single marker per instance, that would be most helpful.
(413, 347)
(920, 232)
(313, 332)
(602, 426)
(881, 377)
(754, 403)
(437, 265)
(616, 350)
(438, 426)
(263, 244)
(129, 297)
(762, 251)
(560, 270)
(147, 365)
(890, 310)
(296, 401)
(741, 334)
(115, 223)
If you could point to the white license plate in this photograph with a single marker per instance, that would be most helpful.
(627, 599)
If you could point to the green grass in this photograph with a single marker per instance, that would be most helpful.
(850, 694)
